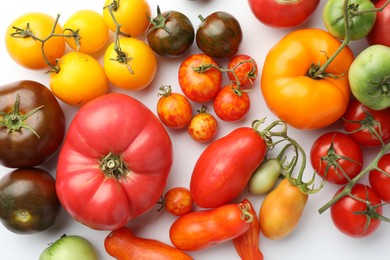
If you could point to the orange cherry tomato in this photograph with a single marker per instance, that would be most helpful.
(178, 201)
(203, 127)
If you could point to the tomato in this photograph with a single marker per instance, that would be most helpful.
(29, 203)
(132, 15)
(178, 201)
(80, 79)
(367, 126)
(91, 30)
(173, 109)
(359, 24)
(242, 70)
(202, 229)
(32, 124)
(123, 244)
(283, 14)
(293, 92)
(336, 157)
(281, 210)
(116, 157)
(369, 77)
(203, 127)
(354, 217)
(24, 47)
(170, 33)
(224, 168)
(380, 32)
(134, 68)
(231, 103)
(380, 178)
(265, 176)
(197, 80)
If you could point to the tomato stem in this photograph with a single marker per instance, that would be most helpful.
(113, 166)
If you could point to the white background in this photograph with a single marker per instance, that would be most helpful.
(314, 238)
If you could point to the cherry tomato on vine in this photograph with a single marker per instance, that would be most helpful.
(231, 103)
(380, 32)
(178, 201)
(203, 127)
(380, 178)
(242, 69)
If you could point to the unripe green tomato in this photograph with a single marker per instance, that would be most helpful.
(265, 177)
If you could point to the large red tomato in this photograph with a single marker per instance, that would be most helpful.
(114, 162)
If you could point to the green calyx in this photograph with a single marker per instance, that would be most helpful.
(113, 166)
(159, 22)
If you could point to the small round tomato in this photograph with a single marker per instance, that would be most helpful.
(173, 109)
(178, 201)
(242, 69)
(134, 68)
(80, 79)
(23, 45)
(231, 103)
(380, 32)
(90, 29)
(203, 127)
(354, 217)
(132, 15)
(367, 126)
(380, 178)
(336, 157)
(199, 77)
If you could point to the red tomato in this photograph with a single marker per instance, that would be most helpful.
(116, 158)
(345, 212)
(178, 201)
(198, 81)
(380, 33)
(242, 69)
(224, 168)
(365, 125)
(231, 104)
(283, 14)
(380, 181)
(336, 157)
(203, 127)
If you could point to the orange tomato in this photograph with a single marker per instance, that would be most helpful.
(300, 100)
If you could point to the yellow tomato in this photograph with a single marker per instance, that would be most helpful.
(131, 14)
(91, 28)
(24, 40)
(136, 70)
(80, 79)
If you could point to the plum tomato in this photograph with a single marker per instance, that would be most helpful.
(380, 178)
(177, 201)
(203, 127)
(380, 32)
(231, 104)
(242, 70)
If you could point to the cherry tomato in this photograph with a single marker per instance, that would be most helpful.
(178, 201)
(203, 127)
(242, 70)
(336, 157)
(380, 178)
(231, 104)
(380, 32)
(354, 217)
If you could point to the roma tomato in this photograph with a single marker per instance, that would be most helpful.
(380, 178)
(219, 35)
(290, 86)
(198, 79)
(265, 176)
(202, 229)
(281, 210)
(224, 168)
(283, 14)
(32, 124)
(203, 127)
(116, 158)
(367, 126)
(177, 201)
(354, 217)
(242, 70)
(380, 32)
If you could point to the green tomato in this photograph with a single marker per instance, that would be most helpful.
(265, 177)
(70, 247)
(369, 77)
(360, 24)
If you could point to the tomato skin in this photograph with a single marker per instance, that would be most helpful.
(110, 173)
(299, 100)
(380, 182)
(199, 87)
(21, 148)
(203, 127)
(202, 229)
(123, 244)
(281, 210)
(380, 33)
(341, 145)
(246, 72)
(283, 14)
(347, 221)
(224, 168)
(178, 201)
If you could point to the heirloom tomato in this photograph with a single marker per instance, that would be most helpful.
(242, 70)
(32, 124)
(224, 168)
(356, 215)
(203, 127)
(380, 178)
(114, 162)
(24, 40)
(177, 201)
(283, 13)
(380, 32)
(291, 87)
(199, 78)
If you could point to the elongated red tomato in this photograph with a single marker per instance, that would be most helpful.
(224, 168)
